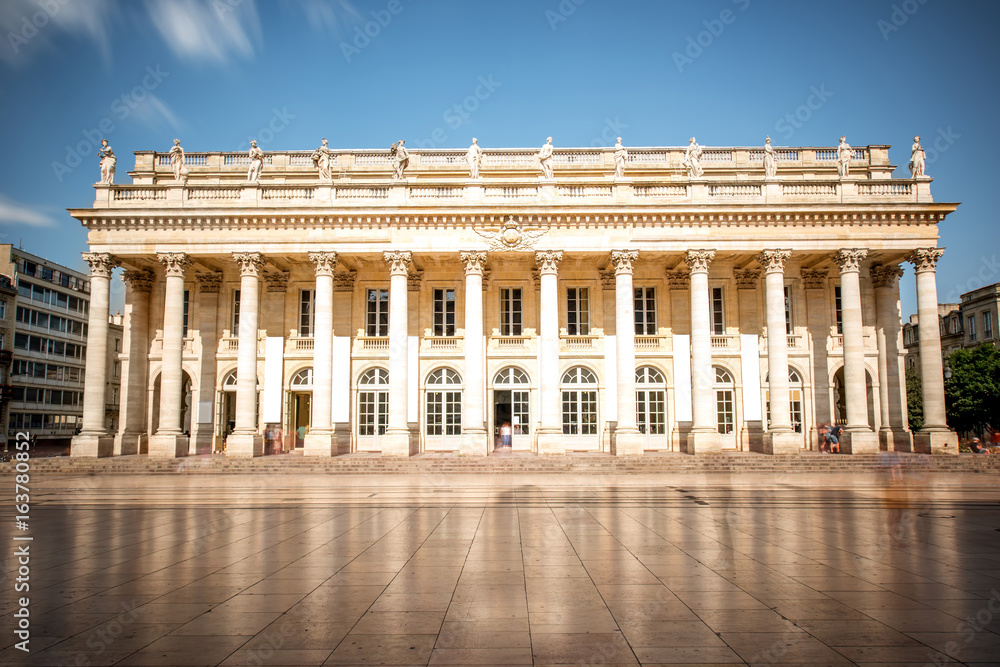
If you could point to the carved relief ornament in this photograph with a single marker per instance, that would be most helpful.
(511, 236)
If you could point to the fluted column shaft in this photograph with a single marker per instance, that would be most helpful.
(702, 378)
(885, 279)
(322, 404)
(246, 358)
(135, 342)
(625, 339)
(96, 368)
(548, 269)
(171, 373)
(777, 339)
(399, 265)
(855, 386)
(931, 367)
(474, 414)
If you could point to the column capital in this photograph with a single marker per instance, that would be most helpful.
(250, 263)
(849, 259)
(209, 283)
(344, 282)
(886, 275)
(175, 262)
(679, 279)
(623, 260)
(399, 261)
(323, 262)
(925, 259)
(101, 263)
(138, 281)
(276, 281)
(414, 280)
(773, 261)
(746, 278)
(698, 260)
(548, 261)
(474, 261)
(813, 278)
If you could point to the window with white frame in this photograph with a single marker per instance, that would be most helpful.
(236, 313)
(373, 402)
(788, 310)
(718, 312)
(578, 311)
(650, 401)
(987, 325)
(579, 401)
(444, 402)
(725, 413)
(307, 313)
(377, 313)
(645, 311)
(444, 312)
(837, 302)
(510, 311)
(794, 399)
(187, 310)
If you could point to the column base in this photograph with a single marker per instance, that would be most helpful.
(474, 443)
(861, 441)
(935, 442)
(704, 442)
(201, 444)
(550, 441)
(782, 442)
(319, 443)
(93, 445)
(628, 443)
(396, 443)
(127, 444)
(168, 445)
(891, 440)
(244, 445)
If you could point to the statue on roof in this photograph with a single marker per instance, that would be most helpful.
(474, 157)
(917, 158)
(177, 161)
(545, 159)
(256, 162)
(692, 159)
(844, 156)
(322, 159)
(621, 156)
(770, 160)
(108, 162)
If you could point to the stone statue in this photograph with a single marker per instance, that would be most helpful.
(177, 161)
(322, 159)
(108, 162)
(402, 160)
(545, 159)
(474, 157)
(770, 160)
(621, 155)
(256, 162)
(692, 159)
(844, 156)
(917, 158)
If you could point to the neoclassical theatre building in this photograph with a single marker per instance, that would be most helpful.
(579, 299)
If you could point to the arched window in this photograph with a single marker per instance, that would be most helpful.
(373, 402)
(229, 381)
(512, 400)
(579, 401)
(302, 380)
(444, 403)
(794, 399)
(725, 404)
(512, 375)
(650, 401)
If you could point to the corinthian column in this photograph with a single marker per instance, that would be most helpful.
(704, 437)
(474, 440)
(319, 440)
(135, 379)
(628, 440)
(94, 439)
(934, 437)
(396, 441)
(885, 280)
(860, 437)
(780, 438)
(245, 441)
(169, 440)
(550, 427)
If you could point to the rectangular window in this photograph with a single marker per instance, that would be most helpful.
(718, 312)
(444, 312)
(3, 310)
(510, 311)
(307, 314)
(987, 326)
(788, 310)
(954, 325)
(972, 328)
(578, 311)
(377, 323)
(839, 312)
(645, 311)
(118, 344)
(235, 331)
(116, 368)
(187, 309)
(444, 413)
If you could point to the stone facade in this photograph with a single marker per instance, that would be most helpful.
(590, 311)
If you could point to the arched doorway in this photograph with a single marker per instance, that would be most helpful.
(579, 407)
(226, 408)
(512, 405)
(840, 398)
(795, 404)
(725, 407)
(372, 408)
(651, 407)
(187, 387)
(442, 409)
(300, 397)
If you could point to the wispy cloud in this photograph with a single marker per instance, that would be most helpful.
(153, 112)
(327, 15)
(31, 27)
(16, 213)
(207, 31)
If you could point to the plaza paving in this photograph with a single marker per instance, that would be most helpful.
(242, 569)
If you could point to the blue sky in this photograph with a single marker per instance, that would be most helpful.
(215, 73)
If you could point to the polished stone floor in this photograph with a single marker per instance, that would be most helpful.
(724, 569)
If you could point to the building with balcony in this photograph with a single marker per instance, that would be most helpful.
(661, 309)
(8, 297)
(963, 325)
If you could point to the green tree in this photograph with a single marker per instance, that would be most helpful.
(914, 400)
(973, 391)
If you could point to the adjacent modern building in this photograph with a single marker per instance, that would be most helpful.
(8, 296)
(962, 325)
(667, 300)
(50, 334)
